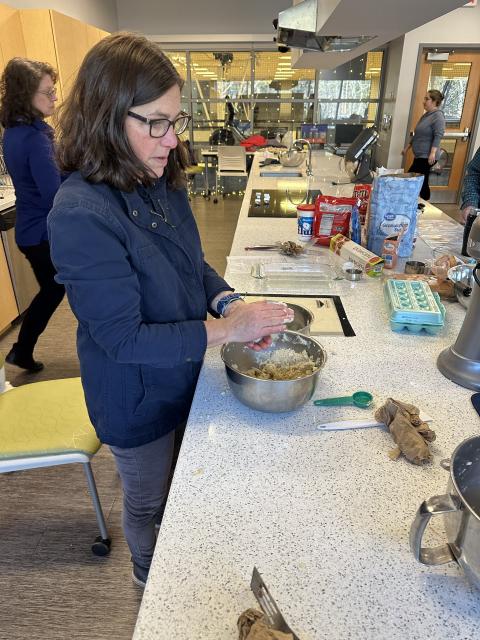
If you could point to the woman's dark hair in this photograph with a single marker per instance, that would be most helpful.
(18, 85)
(436, 96)
(122, 71)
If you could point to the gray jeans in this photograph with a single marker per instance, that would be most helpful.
(146, 473)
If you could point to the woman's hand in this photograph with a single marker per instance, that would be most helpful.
(465, 212)
(256, 321)
(432, 158)
(251, 323)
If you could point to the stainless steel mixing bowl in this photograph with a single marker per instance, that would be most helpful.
(271, 395)
(292, 158)
(302, 319)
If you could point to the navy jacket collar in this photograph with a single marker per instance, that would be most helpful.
(150, 208)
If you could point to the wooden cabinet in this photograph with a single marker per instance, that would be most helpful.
(48, 36)
(8, 304)
(12, 43)
(94, 35)
(38, 37)
(71, 43)
(61, 41)
(73, 39)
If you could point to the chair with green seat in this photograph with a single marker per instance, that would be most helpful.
(192, 171)
(45, 424)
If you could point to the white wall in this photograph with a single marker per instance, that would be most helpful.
(99, 13)
(196, 17)
(394, 61)
(461, 26)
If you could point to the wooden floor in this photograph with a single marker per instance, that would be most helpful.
(51, 586)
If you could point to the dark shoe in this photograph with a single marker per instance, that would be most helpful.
(31, 365)
(139, 575)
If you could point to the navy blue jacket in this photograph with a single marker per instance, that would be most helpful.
(140, 289)
(29, 156)
(471, 183)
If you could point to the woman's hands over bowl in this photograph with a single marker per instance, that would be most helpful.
(255, 322)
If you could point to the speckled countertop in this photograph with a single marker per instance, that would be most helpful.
(325, 516)
(7, 197)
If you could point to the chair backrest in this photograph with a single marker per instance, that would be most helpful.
(232, 159)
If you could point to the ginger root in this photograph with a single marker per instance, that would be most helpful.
(410, 434)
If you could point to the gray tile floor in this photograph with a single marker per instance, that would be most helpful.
(51, 586)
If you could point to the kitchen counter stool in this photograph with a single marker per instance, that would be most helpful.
(45, 424)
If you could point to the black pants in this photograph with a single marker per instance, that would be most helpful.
(421, 165)
(45, 302)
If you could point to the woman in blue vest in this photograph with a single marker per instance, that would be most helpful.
(27, 95)
(126, 246)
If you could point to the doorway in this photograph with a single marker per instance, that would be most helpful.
(458, 78)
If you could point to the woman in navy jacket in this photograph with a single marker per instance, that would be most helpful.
(27, 97)
(126, 246)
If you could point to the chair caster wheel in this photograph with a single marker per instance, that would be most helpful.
(101, 546)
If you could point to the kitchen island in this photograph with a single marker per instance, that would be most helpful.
(325, 516)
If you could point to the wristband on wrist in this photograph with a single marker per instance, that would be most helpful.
(223, 303)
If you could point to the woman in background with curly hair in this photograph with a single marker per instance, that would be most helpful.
(27, 97)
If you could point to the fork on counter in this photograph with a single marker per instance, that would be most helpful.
(268, 605)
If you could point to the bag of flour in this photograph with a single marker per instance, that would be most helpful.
(393, 204)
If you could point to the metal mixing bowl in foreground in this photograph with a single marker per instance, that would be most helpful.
(273, 396)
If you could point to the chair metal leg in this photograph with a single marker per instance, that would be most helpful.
(217, 186)
(96, 500)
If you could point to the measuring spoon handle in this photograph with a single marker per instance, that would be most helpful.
(333, 402)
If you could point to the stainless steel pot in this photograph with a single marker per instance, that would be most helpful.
(460, 507)
(271, 395)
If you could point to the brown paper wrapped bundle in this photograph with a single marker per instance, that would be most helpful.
(252, 626)
(410, 434)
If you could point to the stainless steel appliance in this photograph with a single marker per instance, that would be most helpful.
(460, 507)
(461, 362)
(24, 282)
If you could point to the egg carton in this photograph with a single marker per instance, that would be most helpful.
(413, 306)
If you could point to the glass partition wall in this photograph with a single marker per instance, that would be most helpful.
(258, 92)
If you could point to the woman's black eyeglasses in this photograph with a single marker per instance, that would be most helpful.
(159, 127)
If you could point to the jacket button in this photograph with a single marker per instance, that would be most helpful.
(154, 225)
(135, 213)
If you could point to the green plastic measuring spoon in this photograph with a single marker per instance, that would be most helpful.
(361, 399)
